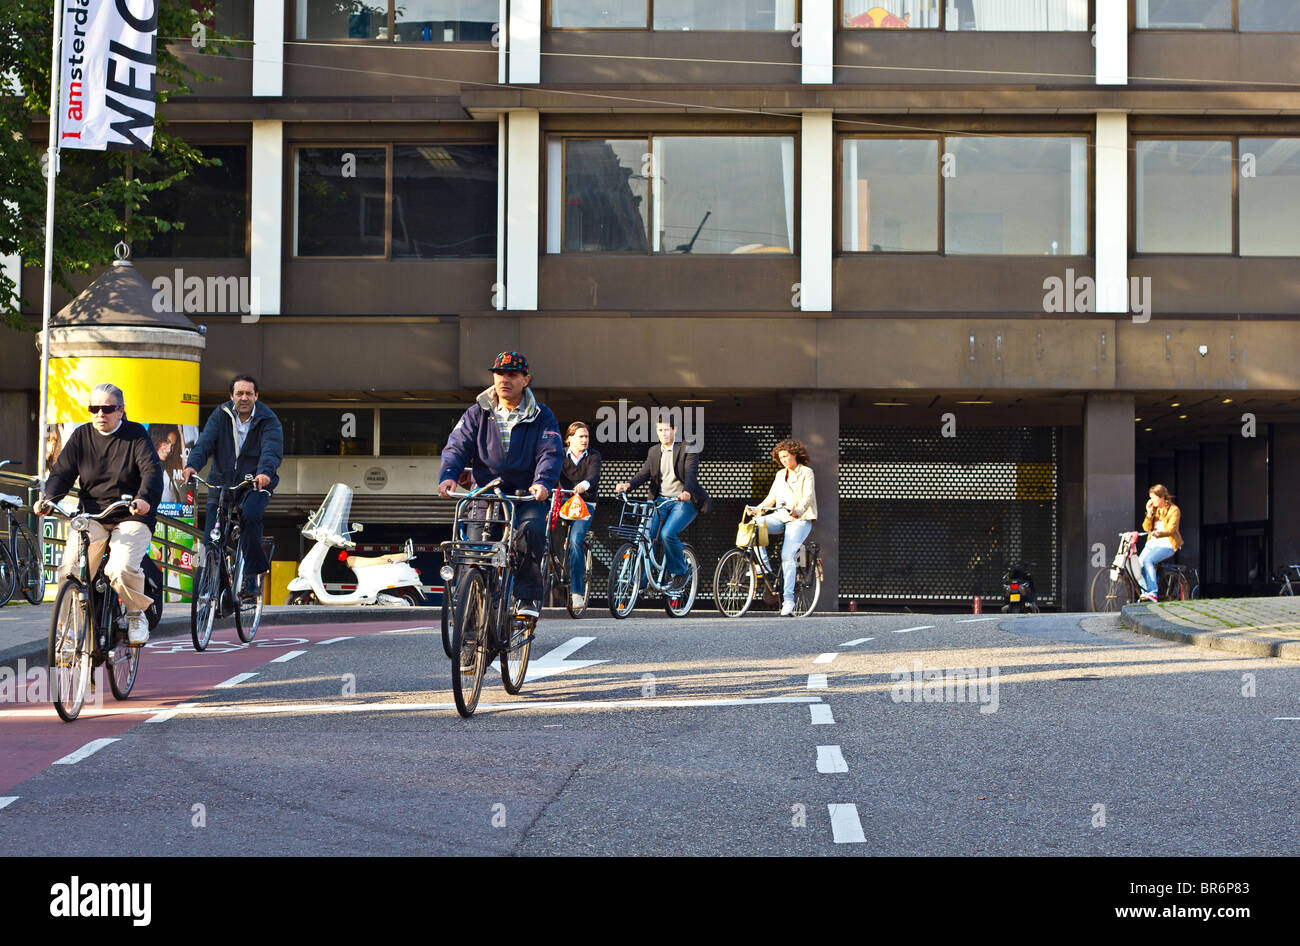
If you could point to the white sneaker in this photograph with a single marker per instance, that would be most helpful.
(787, 609)
(137, 628)
(578, 601)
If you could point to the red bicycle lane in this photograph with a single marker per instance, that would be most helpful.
(32, 736)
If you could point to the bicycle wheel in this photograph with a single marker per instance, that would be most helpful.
(469, 641)
(734, 583)
(514, 656)
(807, 588)
(586, 585)
(248, 614)
(205, 600)
(1175, 587)
(624, 580)
(1286, 590)
(123, 662)
(680, 606)
(1112, 594)
(67, 652)
(447, 620)
(8, 575)
(31, 571)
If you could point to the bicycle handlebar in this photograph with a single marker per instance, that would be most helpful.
(248, 481)
(55, 510)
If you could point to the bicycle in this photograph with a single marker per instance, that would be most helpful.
(1121, 584)
(84, 632)
(20, 555)
(636, 564)
(556, 564)
(482, 572)
(738, 572)
(219, 578)
(1289, 578)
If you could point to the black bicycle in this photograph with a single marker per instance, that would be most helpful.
(21, 568)
(556, 571)
(219, 576)
(480, 564)
(738, 573)
(85, 630)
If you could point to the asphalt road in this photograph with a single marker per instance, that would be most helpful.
(702, 736)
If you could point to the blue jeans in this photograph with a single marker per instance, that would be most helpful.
(1150, 557)
(252, 506)
(530, 531)
(795, 534)
(578, 530)
(674, 516)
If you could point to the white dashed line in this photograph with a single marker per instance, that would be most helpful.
(855, 643)
(830, 759)
(975, 620)
(169, 713)
(825, 658)
(403, 630)
(8, 800)
(816, 681)
(285, 658)
(821, 714)
(1291, 718)
(845, 824)
(260, 709)
(234, 681)
(89, 749)
(919, 627)
(333, 640)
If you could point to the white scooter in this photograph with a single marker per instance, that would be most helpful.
(384, 579)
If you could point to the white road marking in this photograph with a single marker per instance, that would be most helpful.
(830, 759)
(168, 713)
(285, 658)
(333, 640)
(89, 749)
(845, 825)
(8, 800)
(403, 630)
(234, 681)
(919, 627)
(816, 681)
(553, 661)
(821, 714)
(975, 620)
(857, 641)
(1292, 718)
(825, 658)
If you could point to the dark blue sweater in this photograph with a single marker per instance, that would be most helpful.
(535, 454)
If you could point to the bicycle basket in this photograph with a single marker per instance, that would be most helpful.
(634, 521)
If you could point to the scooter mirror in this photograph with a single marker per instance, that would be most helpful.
(357, 527)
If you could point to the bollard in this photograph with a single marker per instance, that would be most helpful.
(979, 607)
(853, 606)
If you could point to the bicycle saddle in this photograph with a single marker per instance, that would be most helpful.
(7, 500)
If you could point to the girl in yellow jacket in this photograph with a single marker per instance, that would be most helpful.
(1162, 522)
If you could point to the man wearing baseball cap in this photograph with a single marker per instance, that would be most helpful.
(507, 434)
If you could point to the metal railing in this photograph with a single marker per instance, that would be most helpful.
(31, 486)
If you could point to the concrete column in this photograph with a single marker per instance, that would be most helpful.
(816, 229)
(1111, 176)
(1285, 505)
(1075, 572)
(268, 47)
(523, 151)
(1108, 477)
(817, 41)
(266, 251)
(525, 37)
(1112, 42)
(815, 421)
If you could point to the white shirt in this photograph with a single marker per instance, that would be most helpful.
(242, 427)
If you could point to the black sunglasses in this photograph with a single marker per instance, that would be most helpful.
(106, 408)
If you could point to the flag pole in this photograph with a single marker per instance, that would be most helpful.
(52, 172)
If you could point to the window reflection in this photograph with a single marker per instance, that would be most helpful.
(1184, 196)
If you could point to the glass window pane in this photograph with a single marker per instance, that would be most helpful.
(1184, 196)
(445, 21)
(229, 17)
(609, 14)
(444, 201)
(1270, 197)
(318, 431)
(723, 195)
(1016, 196)
(1184, 14)
(891, 14)
(340, 202)
(891, 195)
(605, 195)
(1036, 15)
(212, 203)
(1269, 15)
(420, 432)
(724, 14)
(341, 19)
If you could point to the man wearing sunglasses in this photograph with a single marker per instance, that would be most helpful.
(112, 457)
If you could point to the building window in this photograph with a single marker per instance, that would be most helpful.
(406, 21)
(211, 203)
(706, 195)
(674, 14)
(1183, 192)
(1269, 189)
(1001, 196)
(319, 431)
(232, 18)
(1005, 15)
(415, 432)
(1280, 16)
(443, 201)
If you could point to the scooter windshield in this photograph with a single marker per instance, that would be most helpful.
(329, 523)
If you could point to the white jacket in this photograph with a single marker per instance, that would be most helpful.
(794, 489)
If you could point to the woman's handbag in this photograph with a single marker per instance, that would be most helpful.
(744, 532)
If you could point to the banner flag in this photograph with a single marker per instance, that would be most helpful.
(107, 95)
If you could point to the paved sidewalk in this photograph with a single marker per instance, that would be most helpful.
(1261, 627)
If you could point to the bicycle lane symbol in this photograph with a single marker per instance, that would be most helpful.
(179, 646)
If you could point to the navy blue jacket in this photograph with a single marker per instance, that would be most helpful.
(263, 449)
(535, 454)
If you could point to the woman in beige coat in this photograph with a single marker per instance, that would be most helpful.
(795, 501)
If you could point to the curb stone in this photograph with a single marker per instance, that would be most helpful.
(1138, 617)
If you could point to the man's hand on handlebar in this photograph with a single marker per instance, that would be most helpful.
(187, 474)
(139, 507)
(539, 492)
(42, 507)
(445, 488)
(622, 487)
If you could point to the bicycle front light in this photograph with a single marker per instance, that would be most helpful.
(80, 522)
(447, 573)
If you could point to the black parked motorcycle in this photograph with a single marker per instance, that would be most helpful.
(1018, 586)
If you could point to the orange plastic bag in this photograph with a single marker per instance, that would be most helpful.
(574, 508)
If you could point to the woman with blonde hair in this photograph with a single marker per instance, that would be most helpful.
(795, 501)
(1161, 521)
